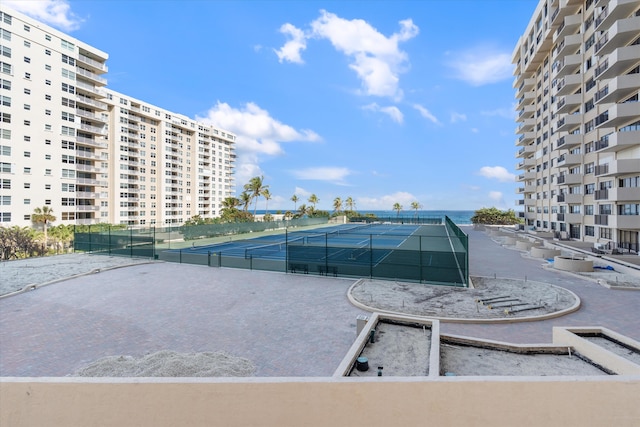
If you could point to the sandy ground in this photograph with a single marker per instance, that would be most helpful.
(399, 349)
(462, 360)
(491, 298)
(616, 348)
(170, 364)
(18, 274)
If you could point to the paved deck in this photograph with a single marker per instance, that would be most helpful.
(287, 325)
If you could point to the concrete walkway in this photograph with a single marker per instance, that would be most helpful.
(286, 324)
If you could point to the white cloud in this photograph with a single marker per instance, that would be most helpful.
(392, 111)
(501, 112)
(482, 66)
(497, 172)
(336, 175)
(257, 133)
(301, 192)
(495, 195)
(376, 59)
(56, 13)
(386, 202)
(291, 50)
(458, 117)
(426, 113)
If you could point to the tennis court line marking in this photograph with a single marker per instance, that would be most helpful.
(454, 254)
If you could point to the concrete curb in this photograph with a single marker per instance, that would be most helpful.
(34, 286)
(555, 314)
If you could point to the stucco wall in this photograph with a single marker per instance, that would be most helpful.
(594, 401)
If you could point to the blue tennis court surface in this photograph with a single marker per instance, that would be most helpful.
(399, 251)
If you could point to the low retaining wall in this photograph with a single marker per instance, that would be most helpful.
(525, 245)
(572, 264)
(384, 401)
(546, 253)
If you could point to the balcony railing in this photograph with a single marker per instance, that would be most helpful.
(602, 194)
(601, 219)
(602, 143)
(601, 69)
(601, 169)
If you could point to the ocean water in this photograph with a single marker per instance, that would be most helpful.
(458, 217)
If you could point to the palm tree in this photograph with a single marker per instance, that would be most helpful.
(267, 196)
(313, 199)
(245, 200)
(351, 204)
(43, 216)
(230, 203)
(255, 187)
(397, 207)
(302, 210)
(295, 199)
(337, 204)
(415, 206)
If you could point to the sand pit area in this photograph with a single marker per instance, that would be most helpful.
(490, 299)
(461, 360)
(18, 274)
(400, 349)
(170, 364)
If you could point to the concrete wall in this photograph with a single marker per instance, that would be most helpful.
(385, 401)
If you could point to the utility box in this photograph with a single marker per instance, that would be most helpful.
(361, 322)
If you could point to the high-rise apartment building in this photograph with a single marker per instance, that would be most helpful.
(91, 154)
(577, 81)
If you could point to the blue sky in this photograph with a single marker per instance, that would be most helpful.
(382, 101)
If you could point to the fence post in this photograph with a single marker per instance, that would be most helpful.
(153, 246)
(370, 256)
(286, 250)
(420, 256)
(131, 242)
(180, 256)
(108, 241)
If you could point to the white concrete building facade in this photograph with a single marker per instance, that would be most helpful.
(577, 77)
(91, 154)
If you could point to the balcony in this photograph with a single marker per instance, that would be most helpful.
(569, 198)
(569, 65)
(601, 194)
(526, 163)
(569, 160)
(617, 141)
(93, 129)
(570, 25)
(89, 168)
(87, 208)
(100, 81)
(569, 45)
(526, 112)
(617, 167)
(621, 33)
(527, 98)
(568, 84)
(569, 141)
(91, 142)
(625, 194)
(573, 218)
(617, 89)
(615, 10)
(526, 151)
(618, 62)
(628, 222)
(526, 138)
(87, 114)
(89, 88)
(569, 179)
(526, 125)
(568, 103)
(601, 219)
(526, 84)
(91, 102)
(101, 67)
(568, 122)
(87, 195)
(91, 181)
(618, 114)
